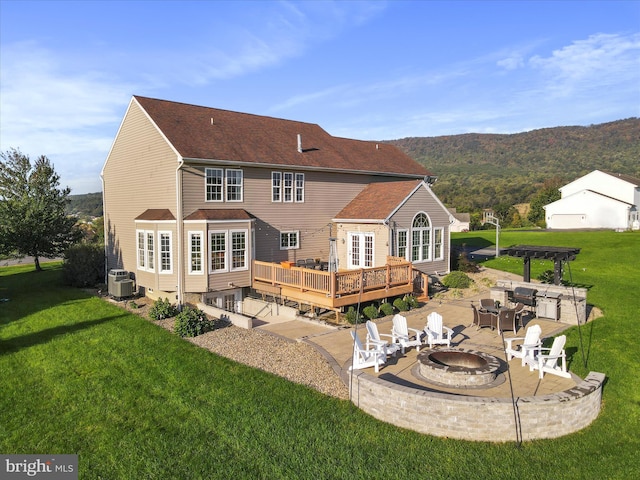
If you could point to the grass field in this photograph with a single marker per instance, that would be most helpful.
(79, 375)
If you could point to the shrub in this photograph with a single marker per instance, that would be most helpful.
(371, 312)
(456, 279)
(83, 265)
(386, 309)
(162, 309)
(401, 305)
(191, 322)
(412, 302)
(351, 316)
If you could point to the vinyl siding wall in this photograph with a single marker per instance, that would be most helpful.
(139, 173)
(325, 194)
(423, 200)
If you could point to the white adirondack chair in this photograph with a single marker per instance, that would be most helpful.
(549, 363)
(403, 335)
(374, 338)
(364, 358)
(527, 348)
(437, 332)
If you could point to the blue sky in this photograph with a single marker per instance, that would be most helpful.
(367, 70)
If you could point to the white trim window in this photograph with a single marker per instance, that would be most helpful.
(150, 252)
(213, 184)
(420, 238)
(287, 187)
(402, 238)
(360, 251)
(165, 257)
(438, 243)
(234, 179)
(238, 250)
(299, 187)
(289, 240)
(217, 251)
(223, 185)
(276, 186)
(142, 257)
(225, 256)
(195, 253)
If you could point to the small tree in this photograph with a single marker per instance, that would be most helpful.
(32, 208)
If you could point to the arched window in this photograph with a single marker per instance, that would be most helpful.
(420, 238)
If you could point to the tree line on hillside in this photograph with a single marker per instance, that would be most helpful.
(479, 171)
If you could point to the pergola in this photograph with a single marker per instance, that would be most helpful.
(557, 254)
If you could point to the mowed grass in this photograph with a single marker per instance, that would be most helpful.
(79, 375)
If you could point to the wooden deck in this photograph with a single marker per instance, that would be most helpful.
(334, 290)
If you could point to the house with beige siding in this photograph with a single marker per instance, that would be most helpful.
(200, 203)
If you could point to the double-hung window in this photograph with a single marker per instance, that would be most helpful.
(276, 186)
(218, 251)
(142, 256)
(289, 240)
(228, 250)
(151, 261)
(223, 185)
(402, 243)
(287, 187)
(195, 252)
(438, 250)
(234, 185)
(214, 184)
(165, 260)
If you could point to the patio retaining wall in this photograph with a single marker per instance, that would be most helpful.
(479, 418)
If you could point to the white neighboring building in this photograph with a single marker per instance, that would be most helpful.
(461, 221)
(597, 200)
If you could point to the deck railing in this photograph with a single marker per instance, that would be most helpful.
(333, 283)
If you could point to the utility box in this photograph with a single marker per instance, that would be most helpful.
(119, 283)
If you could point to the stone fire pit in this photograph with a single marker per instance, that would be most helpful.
(457, 367)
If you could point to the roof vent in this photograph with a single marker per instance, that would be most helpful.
(299, 143)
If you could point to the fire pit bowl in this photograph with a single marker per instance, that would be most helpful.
(458, 368)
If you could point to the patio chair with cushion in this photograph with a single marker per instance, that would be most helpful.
(549, 363)
(437, 332)
(364, 358)
(374, 339)
(403, 335)
(526, 349)
(483, 318)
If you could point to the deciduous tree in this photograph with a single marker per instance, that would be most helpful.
(32, 208)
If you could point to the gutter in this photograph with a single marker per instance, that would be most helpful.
(179, 231)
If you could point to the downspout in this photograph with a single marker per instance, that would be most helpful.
(179, 231)
(104, 229)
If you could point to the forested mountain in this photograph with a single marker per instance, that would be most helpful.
(478, 171)
(85, 205)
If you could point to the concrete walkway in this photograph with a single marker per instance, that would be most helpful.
(336, 345)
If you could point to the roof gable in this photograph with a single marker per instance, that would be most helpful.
(213, 134)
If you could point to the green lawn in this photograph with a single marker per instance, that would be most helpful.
(79, 375)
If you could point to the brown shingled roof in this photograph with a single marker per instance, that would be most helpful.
(220, 214)
(212, 134)
(156, 214)
(378, 200)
